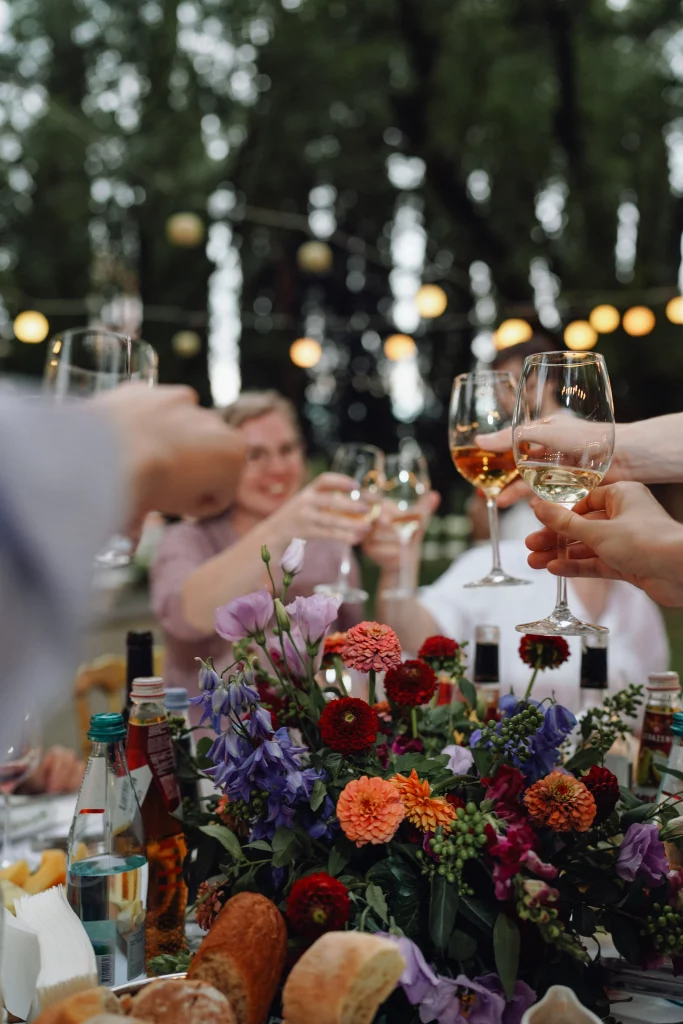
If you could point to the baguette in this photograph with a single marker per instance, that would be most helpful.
(243, 955)
(342, 979)
(189, 1002)
(80, 1007)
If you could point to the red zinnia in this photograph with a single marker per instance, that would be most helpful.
(410, 684)
(605, 789)
(543, 651)
(371, 646)
(348, 725)
(438, 647)
(317, 904)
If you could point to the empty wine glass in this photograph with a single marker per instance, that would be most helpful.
(482, 403)
(85, 361)
(364, 463)
(18, 759)
(563, 440)
(407, 480)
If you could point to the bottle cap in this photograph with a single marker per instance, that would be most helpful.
(149, 688)
(486, 635)
(663, 681)
(107, 728)
(177, 698)
(677, 723)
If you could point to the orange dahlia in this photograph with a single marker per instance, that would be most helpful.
(561, 802)
(423, 810)
(334, 645)
(369, 811)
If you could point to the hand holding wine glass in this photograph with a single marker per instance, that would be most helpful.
(407, 481)
(18, 760)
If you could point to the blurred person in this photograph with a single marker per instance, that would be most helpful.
(70, 476)
(205, 563)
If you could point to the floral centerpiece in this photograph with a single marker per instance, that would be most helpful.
(489, 850)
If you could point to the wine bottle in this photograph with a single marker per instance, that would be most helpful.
(139, 663)
(486, 672)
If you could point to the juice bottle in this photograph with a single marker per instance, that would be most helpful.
(152, 766)
(663, 699)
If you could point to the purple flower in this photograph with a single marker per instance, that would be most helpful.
(407, 745)
(298, 661)
(460, 759)
(558, 722)
(642, 855)
(487, 1008)
(244, 616)
(260, 723)
(208, 677)
(292, 561)
(523, 997)
(241, 694)
(418, 978)
(313, 616)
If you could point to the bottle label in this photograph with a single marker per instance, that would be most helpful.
(152, 744)
(655, 745)
(120, 955)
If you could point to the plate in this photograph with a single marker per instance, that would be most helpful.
(39, 815)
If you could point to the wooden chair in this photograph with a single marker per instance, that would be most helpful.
(107, 675)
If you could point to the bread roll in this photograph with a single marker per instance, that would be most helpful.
(191, 1002)
(113, 1018)
(243, 955)
(81, 1007)
(342, 979)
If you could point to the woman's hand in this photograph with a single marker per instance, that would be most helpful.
(60, 771)
(618, 532)
(384, 546)
(324, 511)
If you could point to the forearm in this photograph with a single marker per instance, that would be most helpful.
(409, 619)
(651, 451)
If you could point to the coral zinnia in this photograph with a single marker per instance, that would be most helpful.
(348, 725)
(334, 645)
(561, 802)
(543, 651)
(605, 789)
(423, 810)
(369, 811)
(317, 904)
(410, 684)
(371, 646)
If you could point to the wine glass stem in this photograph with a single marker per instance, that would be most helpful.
(5, 857)
(492, 509)
(344, 567)
(404, 580)
(561, 602)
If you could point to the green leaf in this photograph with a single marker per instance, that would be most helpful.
(585, 920)
(226, 838)
(469, 692)
(668, 771)
(338, 859)
(203, 747)
(375, 898)
(478, 913)
(284, 842)
(443, 908)
(260, 844)
(506, 944)
(583, 759)
(626, 937)
(483, 759)
(640, 813)
(318, 795)
(628, 799)
(461, 946)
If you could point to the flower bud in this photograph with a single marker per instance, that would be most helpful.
(265, 554)
(293, 559)
(281, 615)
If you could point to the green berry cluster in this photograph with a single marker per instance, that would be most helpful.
(546, 918)
(664, 925)
(247, 810)
(514, 733)
(465, 839)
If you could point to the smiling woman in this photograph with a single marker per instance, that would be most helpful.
(202, 564)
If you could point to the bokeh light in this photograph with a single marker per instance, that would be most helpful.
(431, 301)
(638, 321)
(398, 347)
(186, 344)
(185, 230)
(315, 257)
(580, 336)
(674, 310)
(305, 352)
(31, 327)
(604, 319)
(512, 332)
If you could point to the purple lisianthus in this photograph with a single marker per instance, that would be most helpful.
(460, 759)
(642, 855)
(298, 660)
(488, 1007)
(245, 616)
(418, 978)
(523, 997)
(292, 562)
(313, 616)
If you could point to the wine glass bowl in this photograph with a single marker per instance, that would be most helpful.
(18, 760)
(407, 480)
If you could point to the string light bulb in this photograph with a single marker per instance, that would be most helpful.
(305, 352)
(185, 230)
(638, 321)
(398, 347)
(604, 319)
(31, 327)
(512, 332)
(580, 336)
(315, 257)
(186, 344)
(431, 301)
(674, 310)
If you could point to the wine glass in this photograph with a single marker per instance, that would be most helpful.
(81, 363)
(407, 479)
(563, 440)
(18, 759)
(482, 403)
(364, 463)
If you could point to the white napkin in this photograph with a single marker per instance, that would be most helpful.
(20, 965)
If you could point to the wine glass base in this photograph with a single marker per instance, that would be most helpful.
(562, 623)
(497, 578)
(399, 594)
(347, 595)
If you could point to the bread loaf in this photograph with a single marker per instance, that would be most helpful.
(243, 955)
(342, 979)
(114, 1018)
(81, 1007)
(188, 1002)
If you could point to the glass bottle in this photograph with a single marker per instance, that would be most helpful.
(486, 673)
(593, 670)
(177, 704)
(107, 871)
(662, 700)
(139, 662)
(152, 765)
(670, 787)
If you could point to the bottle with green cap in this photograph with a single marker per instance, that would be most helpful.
(671, 787)
(107, 869)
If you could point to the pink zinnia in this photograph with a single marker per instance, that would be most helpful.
(371, 646)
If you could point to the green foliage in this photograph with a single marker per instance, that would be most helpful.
(506, 947)
(601, 726)
(443, 908)
(169, 963)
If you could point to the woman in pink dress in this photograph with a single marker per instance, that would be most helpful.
(202, 564)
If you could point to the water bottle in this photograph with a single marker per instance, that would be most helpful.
(107, 869)
(177, 704)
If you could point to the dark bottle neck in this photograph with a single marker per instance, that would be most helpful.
(486, 663)
(594, 668)
(139, 660)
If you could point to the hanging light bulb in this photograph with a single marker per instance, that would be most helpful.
(638, 321)
(305, 352)
(186, 344)
(315, 257)
(674, 310)
(398, 347)
(431, 301)
(31, 327)
(512, 332)
(604, 319)
(580, 336)
(185, 230)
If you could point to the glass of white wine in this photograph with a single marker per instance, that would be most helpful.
(563, 440)
(364, 463)
(407, 479)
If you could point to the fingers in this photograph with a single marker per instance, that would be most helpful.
(334, 482)
(514, 492)
(541, 559)
(430, 502)
(498, 442)
(588, 568)
(561, 520)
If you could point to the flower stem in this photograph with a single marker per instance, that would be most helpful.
(371, 687)
(533, 679)
(413, 722)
